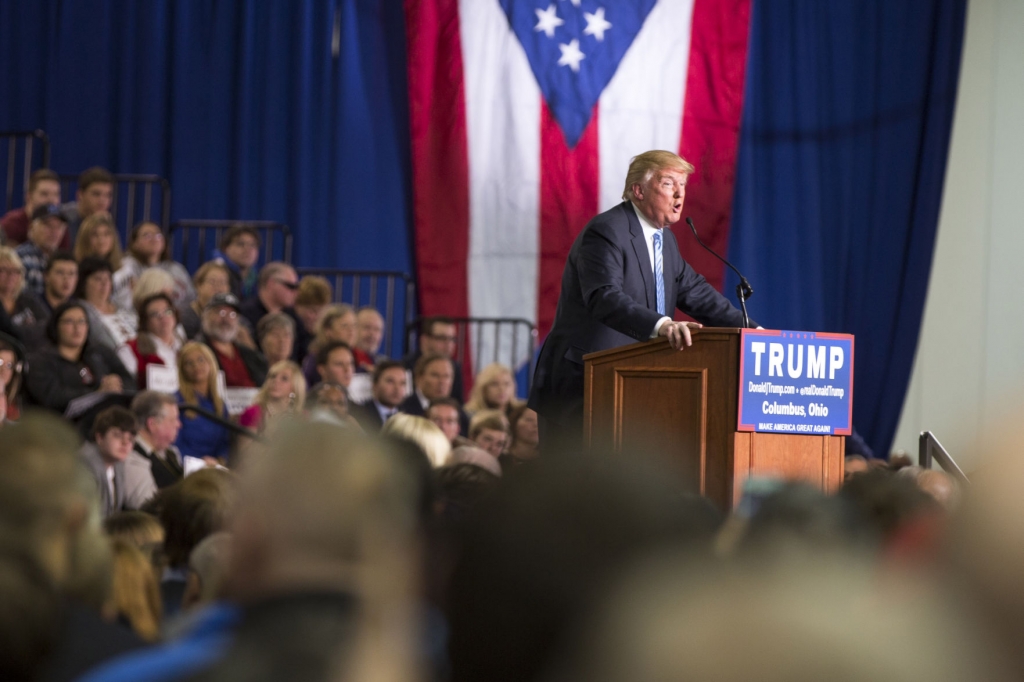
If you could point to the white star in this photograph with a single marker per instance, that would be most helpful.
(596, 24)
(548, 21)
(571, 55)
(575, 3)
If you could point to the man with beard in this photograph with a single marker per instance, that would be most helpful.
(242, 367)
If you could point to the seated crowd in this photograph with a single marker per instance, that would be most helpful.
(254, 492)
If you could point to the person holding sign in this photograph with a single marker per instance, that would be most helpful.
(158, 342)
(197, 385)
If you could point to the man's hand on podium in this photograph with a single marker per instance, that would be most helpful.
(678, 333)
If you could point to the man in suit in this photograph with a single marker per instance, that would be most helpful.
(439, 336)
(611, 295)
(105, 455)
(154, 463)
(432, 379)
(388, 393)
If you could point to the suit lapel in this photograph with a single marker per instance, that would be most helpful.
(643, 256)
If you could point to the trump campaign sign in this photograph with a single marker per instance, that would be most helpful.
(796, 382)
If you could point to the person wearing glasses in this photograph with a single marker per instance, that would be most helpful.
(148, 248)
(276, 293)
(242, 366)
(438, 337)
(73, 367)
(24, 310)
(109, 325)
(159, 340)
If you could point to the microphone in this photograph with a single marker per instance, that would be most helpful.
(743, 289)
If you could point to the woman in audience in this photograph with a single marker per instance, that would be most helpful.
(109, 325)
(337, 323)
(283, 393)
(159, 339)
(276, 334)
(97, 238)
(148, 249)
(495, 389)
(73, 368)
(210, 279)
(136, 594)
(239, 250)
(525, 436)
(489, 431)
(139, 529)
(197, 385)
(424, 433)
(12, 356)
(313, 297)
(24, 309)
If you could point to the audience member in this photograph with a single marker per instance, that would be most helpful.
(43, 188)
(72, 368)
(369, 335)
(21, 306)
(432, 379)
(60, 279)
(335, 364)
(242, 366)
(461, 487)
(148, 249)
(95, 194)
(136, 594)
(328, 402)
(190, 510)
(283, 393)
(197, 385)
(275, 333)
(113, 433)
(141, 530)
(155, 462)
(159, 340)
(97, 238)
(438, 337)
(12, 363)
(207, 570)
(421, 432)
(388, 393)
(488, 429)
(476, 456)
(312, 299)
(109, 325)
(495, 389)
(276, 291)
(239, 250)
(151, 282)
(446, 413)
(525, 436)
(337, 323)
(210, 279)
(45, 233)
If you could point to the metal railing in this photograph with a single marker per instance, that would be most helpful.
(929, 449)
(25, 151)
(193, 241)
(136, 198)
(391, 292)
(510, 341)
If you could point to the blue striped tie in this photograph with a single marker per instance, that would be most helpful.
(659, 274)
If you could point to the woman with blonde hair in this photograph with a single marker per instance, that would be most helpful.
(136, 594)
(422, 432)
(337, 323)
(148, 250)
(98, 238)
(197, 385)
(284, 392)
(494, 389)
(25, 310)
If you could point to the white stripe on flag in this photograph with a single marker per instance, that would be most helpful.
(503, 127)
(642, 107)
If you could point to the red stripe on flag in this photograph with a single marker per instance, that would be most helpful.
(569, 180)
(440, 158)
(711, 125)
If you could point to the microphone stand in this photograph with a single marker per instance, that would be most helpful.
(743, 289)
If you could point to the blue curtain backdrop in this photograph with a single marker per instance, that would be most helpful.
(242, 104)
(846, 125)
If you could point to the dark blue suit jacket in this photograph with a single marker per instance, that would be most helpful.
(608, 299)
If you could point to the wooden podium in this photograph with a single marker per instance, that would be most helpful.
(648, 400)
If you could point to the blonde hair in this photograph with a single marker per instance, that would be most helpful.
(206, 268)
(138, 529)
(151, 282)
(422, 432)
(85, 235)
(9, 255)
(136, 594)
(188, 391)
(643, 166)
(298, 384)
(477, 400)
(495, 420)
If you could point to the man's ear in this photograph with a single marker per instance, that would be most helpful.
(637, 190)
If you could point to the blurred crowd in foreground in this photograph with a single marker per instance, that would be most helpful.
(329, 554)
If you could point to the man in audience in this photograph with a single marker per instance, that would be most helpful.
(43, 188)
(239, 250)
(388, 393)
(335, 363)
(277, 287)
(370, 333)
(432, 379)
(446, 413)
(60, 278)
(243, 367)
(155, 462)
(275, 335)
(328, 402)
(105, 455)
(45, 234)
(489, 430)
(95, 194)
(438, 337)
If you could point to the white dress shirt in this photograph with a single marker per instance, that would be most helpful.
(649, 232)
